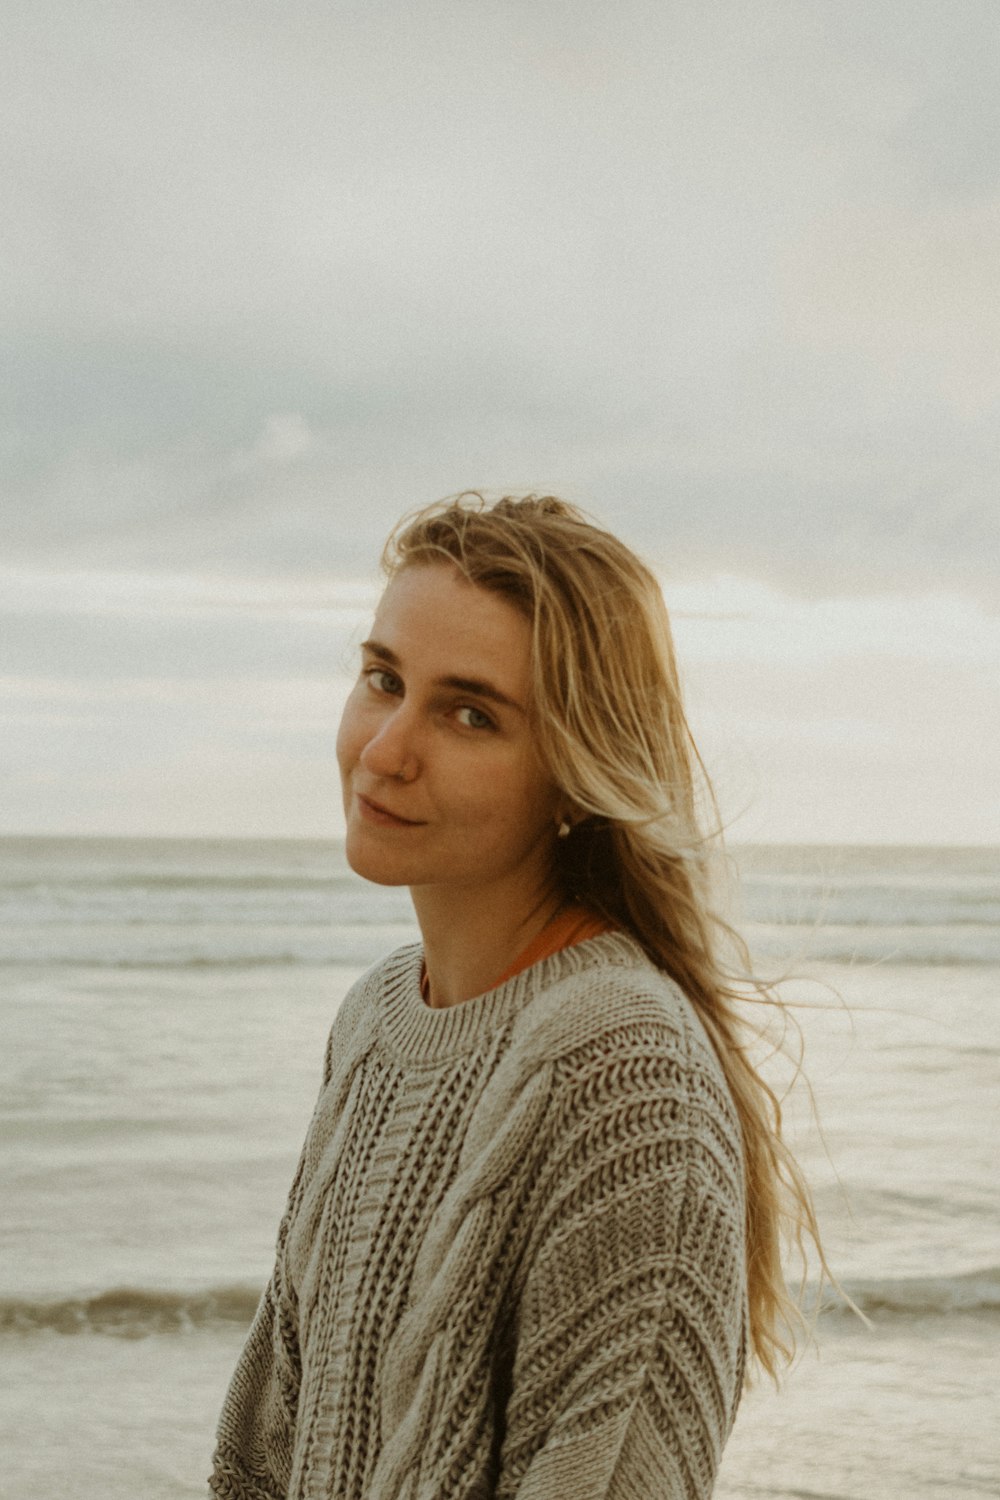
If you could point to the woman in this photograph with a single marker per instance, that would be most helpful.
(534, 1233)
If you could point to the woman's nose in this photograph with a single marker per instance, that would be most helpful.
(392, 750)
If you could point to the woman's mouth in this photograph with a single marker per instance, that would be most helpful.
(374, 812)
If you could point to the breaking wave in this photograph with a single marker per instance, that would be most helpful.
(134, 1312)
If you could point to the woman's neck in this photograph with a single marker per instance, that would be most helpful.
(470, 936)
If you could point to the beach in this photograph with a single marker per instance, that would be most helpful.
(165, 1005)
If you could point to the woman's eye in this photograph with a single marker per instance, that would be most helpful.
(474, 718)
(383, 681)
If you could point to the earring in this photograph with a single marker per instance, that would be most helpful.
(565, 829)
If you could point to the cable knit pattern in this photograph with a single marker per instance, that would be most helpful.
(512, 1260)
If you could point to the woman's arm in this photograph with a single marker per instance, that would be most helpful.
(256, 1431)
(631, 1313)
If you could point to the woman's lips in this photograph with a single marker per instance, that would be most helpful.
(374, 812)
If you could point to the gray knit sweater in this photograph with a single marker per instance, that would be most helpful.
(512, 1261)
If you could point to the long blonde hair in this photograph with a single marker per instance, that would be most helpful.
(609, 719)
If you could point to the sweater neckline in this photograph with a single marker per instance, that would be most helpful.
(417, 1032)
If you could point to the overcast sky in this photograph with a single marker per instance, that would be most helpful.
(724, 273)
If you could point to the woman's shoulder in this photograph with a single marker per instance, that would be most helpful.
(607, 993)
(615, 1051)
(604, 1004)
(607, 1048)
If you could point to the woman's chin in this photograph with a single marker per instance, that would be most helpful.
(374, 865)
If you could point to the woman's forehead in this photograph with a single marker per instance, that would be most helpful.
(434, 617)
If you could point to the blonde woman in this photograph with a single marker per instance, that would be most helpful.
(533, 1238)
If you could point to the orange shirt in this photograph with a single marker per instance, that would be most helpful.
(574, 925)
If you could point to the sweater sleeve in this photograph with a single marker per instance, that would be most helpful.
(629, 1329)
(256, 1430)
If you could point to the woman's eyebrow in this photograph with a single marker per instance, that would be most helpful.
(475, 686)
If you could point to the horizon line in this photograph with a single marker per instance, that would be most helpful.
(338, 839)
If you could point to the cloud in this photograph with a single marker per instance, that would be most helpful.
(723, 274)
(909, 290)
(285, 437)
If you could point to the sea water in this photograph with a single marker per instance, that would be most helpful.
(164, 1008)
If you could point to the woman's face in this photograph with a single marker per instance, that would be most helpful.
(441, 778)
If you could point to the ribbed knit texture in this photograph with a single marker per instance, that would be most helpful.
(512, 1261)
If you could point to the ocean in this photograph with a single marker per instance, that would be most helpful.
(164, 1010)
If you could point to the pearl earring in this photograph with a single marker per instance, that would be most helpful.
(565, 829)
